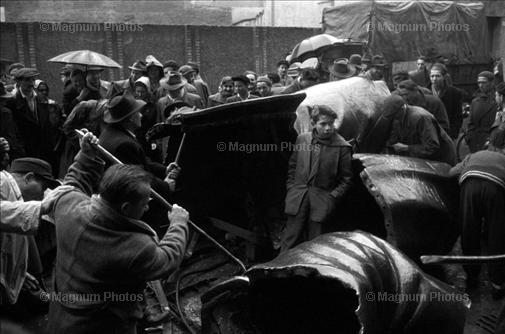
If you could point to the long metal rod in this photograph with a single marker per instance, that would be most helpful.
(178, 155)
(163, 201)
(440, 259)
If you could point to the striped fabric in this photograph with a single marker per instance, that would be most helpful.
(482, 175)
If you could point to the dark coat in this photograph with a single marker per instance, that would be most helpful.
(326, 183)
(421, 78)
(10, 132)
(421, 132)
(192, 100)
(203, 91)
(452, 98)
(36, 133)
(103, 256)
(436, 107)
(482, 115)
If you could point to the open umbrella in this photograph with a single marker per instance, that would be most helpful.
(85, 57)
(313, 47)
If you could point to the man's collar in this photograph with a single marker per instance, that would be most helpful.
(32, 95)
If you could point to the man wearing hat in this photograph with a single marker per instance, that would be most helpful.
(482, 112)
(412, 94)
(374, 67)
(264, 86)
(11, 85)
(355, 60)
(190, 74)
(176, 88)
(8, 128)
(226, 88)
(308, 77)
(282, 71)
(27, 181)
(416, 133)
(241, 83)
(31, 115)
(138, 69)
(451, 96)
(123, 118)
(65, 75)
(341, 69)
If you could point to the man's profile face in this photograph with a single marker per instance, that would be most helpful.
(263, 88)
(437, 78)
(484, 84)
(498, 98)
(32, 187)
(375, 73)
(93, 79)
(421, 64)
(137, 209)
(325, 126)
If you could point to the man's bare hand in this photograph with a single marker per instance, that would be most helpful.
(173, 171)
(47, 204)
(178, 214)
(88, 143)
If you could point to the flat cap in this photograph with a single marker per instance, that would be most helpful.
(242, 78)
(186, 69)
(486, 74)
(26, 72)
(265, 79)
(408, 85)
(39, 167)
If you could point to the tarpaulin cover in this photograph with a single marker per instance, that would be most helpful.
(418, 199)
(369, 287)
(402, 31)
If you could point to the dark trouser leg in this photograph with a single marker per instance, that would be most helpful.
(471, 219)
(295, 225)
(314, 230)
(494, 213)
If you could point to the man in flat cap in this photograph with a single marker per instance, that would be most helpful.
(138, 69)
(31, 115)
(27, 181)
(11, 85)
(264, 86)
(190, 73)
(241, 83)
(374, 67)
(482, 112)
(282, 71)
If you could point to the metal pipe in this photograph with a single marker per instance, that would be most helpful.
(440, 259)
(163, 201)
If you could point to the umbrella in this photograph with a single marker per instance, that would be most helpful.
(85, 57)
(313, 47)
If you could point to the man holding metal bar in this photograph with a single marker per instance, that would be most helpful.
(105, 253)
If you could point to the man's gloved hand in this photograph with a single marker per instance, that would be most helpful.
(88, 143)
(171, 183)
(47, 204)
(157, 131)
(178, 215)
(173, 171)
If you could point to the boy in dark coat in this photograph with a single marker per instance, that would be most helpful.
(319, 176)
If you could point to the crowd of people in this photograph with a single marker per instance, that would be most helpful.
(102, 241)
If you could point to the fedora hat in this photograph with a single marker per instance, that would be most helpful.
(36, 166)
(355, 60)
(174, 81)
(186, 69)
(120, 107)
(342, 69)
(26, 72)
(138, 65)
